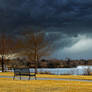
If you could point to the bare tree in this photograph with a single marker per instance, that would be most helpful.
(5, 48)
(37, 47)
(8, 46)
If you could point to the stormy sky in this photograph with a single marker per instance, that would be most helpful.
(67, 22)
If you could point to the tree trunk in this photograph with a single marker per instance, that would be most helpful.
(2, 62)
(36, 62)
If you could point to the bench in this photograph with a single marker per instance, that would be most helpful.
(23, 72)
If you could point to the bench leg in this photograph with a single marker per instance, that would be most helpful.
(29, 77)
(13, 77)
(20, 77)
(35, 77)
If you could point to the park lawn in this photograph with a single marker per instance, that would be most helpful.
(9, 85)
(84, 77)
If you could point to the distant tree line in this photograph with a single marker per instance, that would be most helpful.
(52, 63)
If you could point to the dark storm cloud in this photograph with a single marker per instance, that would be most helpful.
(62, 14)
(66, 22)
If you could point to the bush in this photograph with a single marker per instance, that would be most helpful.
(45, 72)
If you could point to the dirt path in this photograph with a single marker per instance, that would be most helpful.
(26, 78)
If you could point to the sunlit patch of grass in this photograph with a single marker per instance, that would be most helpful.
(9, 85)
(6, 73)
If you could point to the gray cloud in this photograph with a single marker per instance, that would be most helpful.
(80, 47)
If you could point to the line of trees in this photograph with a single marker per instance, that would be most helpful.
(33, 45)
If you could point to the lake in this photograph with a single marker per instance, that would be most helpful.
(63, 71)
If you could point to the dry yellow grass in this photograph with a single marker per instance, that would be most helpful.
(66, 76)
(9, 85)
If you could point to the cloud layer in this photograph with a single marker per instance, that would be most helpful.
(67, 22)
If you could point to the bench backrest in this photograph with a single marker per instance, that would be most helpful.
(21, 71)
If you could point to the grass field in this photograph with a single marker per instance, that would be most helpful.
(9, 85)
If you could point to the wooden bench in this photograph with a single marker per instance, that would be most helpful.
(23, 72)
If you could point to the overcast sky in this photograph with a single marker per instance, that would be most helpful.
(68, 22)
